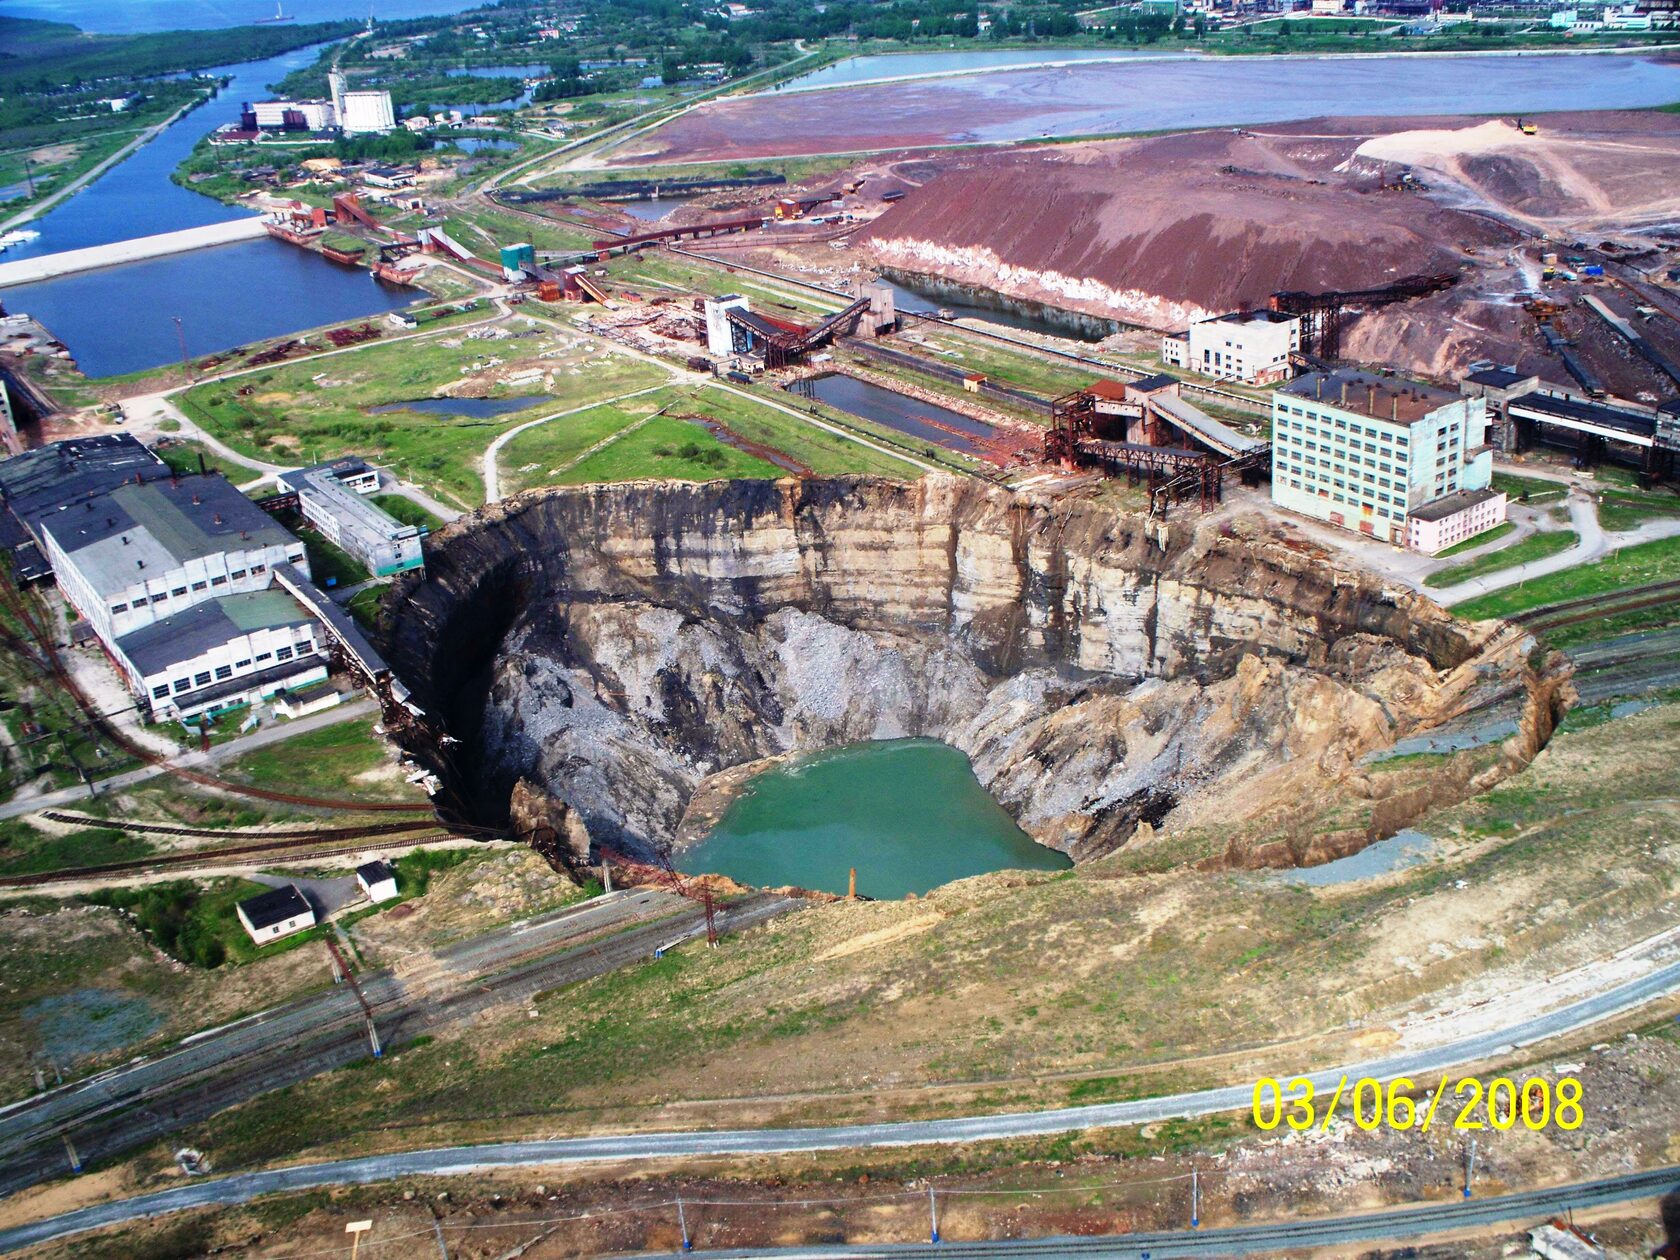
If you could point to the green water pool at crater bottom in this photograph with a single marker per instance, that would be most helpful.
(908, 813)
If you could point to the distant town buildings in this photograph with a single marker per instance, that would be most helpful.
(1250, 346)
(1397, 460)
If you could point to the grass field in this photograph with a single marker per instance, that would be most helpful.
(343, 761)
(25, 849)
(309, 412)
(407, 511)
(1619, 511)
(1534, 547)
(1630, 566)
(549, 453)
(1528, 489)
(1480, 540)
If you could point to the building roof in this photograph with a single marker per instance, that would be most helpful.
(1149, 384)
(1105, 388)
(1391, 398)
(338, 469)
(1255, 317)
(137, 531)
(275, 906)
(374, 872)
(1497, 378)
(41, 481)
(194, 631)
(1451, 504)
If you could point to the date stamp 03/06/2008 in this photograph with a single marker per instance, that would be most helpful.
(1501, 1103)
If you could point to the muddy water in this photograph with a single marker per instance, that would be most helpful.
(908, 814)
(926, 422)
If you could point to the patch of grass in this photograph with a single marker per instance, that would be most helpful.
(825, 453)
(1619, 511)
(1628, 566)
(196, 923)
(407, 511)
(1528, 489)
(25, 850)
(312, 411)
(344, 759)
(415, 870)
(1480, 540)
(1534, 547)
(185, 456)
(668, 448)
(364, 604)
(1657, 617)
(329, 564)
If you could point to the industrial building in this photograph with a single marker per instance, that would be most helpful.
(174, 575)
(1148, 430)
(225, 652)
(39, 482)
(361, 113)
(1396, 460)
(276, 914)
(1249, 346)
(1527, 412)
(331, 499)
(287, 116)
(733, 328)
(146, 550)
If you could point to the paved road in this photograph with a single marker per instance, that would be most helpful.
(273, 733)
(457, 1160)
(1248, 1240)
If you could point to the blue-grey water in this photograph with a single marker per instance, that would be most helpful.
(476, 408)
(120, 319)
(939, 426)
(1402, 849)
(897, 65)
(127, 17)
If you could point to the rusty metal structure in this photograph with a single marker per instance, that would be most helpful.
(784, 342)
(1324, 315)
(1147, 432)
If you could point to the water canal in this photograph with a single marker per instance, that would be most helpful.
(226, 296)
(924, 421)
(907, 813)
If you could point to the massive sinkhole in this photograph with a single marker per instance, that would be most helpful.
(598, 653)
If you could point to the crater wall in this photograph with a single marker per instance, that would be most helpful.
(599, 650)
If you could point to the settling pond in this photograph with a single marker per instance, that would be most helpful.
(926, 422)
(907, 813)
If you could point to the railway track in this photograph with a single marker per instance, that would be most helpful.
(1589, 607)
(44, 654)
(119, 1111)
(200, 858)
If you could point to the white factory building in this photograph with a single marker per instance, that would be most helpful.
(361, 113)
(285, 115)
(176, 578)
(331, 497)
(1396, 460)
(1250, 346)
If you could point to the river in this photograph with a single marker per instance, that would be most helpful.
(128, 17)
(121, 319)
(908, 814)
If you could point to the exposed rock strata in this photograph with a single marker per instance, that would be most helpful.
(615, 644)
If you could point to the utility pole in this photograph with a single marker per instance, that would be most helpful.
(933, 1217)
(682, 1226)
(1469, 1166)
(70, 1150)
(181, 336)
(1195, 1200)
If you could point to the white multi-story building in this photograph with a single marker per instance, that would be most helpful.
(1396, 460)
(331, 497)
(176, 577)
(367, 113)
(143, 552)
(1250, 346)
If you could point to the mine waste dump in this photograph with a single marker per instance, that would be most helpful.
(605, 667)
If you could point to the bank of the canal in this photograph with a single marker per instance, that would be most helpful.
(908, 814)
(122, 319)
